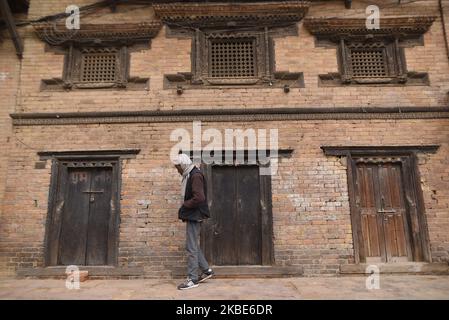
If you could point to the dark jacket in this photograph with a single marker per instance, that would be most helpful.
(195, 206)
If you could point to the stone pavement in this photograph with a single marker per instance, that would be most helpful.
(347, 287)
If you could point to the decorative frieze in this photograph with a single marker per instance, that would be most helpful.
(269, 114)
(334, 28)
(231, 14)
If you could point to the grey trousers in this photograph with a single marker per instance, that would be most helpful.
(195, 258)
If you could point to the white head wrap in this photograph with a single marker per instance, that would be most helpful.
(186, 165)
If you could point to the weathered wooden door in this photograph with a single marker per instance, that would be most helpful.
(239, 231)
(81, 228)
(383, 212)
(85, 218)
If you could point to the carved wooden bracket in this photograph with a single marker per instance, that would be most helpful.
(387, 42)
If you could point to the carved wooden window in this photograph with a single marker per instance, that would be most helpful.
(96, 67)
(372, 61)
(232, 58)
(97, 55)
(368, 61)
(371, 56)
(232, 45)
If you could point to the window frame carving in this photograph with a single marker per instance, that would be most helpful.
(202, 67)
(259, 21)
(246, 46)
(124, 38)
(395, 65)
(73, 68)
(395, 35)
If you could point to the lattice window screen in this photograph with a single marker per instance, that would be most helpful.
(232, 58)
(368, 62)
(99, 67)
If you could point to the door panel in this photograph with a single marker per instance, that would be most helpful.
(368, 211)
(248, 222)
(99, 217)
(86, 217)
(224, 234)
(72, 244)
(380, 199)
(393, 211)
(235, 227)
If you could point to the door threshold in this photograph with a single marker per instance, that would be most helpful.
(248, 271)
(397, 267)
(93, 271)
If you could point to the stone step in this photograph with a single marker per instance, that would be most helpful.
(246, 271)
(92, 271)
(400, 267)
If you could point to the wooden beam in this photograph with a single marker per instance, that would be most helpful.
(113, 5)
(348, 4)
(11, 25)
(92, 154)
(377, 150)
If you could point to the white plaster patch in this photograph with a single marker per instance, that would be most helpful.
(3, 75)
(298, 202)
(144, 202)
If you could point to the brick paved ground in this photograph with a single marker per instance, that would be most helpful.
(351, 287)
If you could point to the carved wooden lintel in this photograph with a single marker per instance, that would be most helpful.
(335, 28)
(231, 14)
(98, 34)
(89, 154)
(367, 151)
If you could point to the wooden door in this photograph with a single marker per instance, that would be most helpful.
(236, 234)
(383, 213)
(81, 226)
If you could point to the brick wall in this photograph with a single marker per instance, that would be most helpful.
(9, 78)
(310, 198)
(294, 54)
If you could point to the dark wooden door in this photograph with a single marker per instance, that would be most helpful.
(235, 233)
(383, 214)
(85, 217)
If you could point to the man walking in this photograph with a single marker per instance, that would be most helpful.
(193, 211)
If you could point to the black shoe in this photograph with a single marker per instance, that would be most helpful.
(188, 284)
(206, 275)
